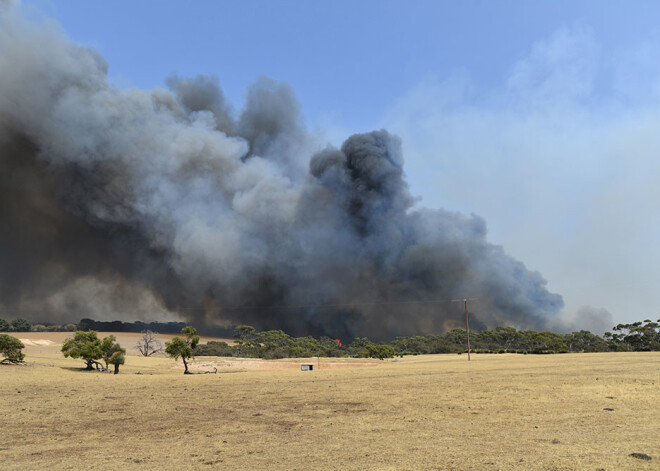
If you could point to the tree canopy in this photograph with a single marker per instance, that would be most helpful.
(86, 346)
(111, 348)
(117, 358)
(17, 325)
(183, 348)
(20, 325)
(10, 348)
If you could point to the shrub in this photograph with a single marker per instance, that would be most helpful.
(214, 349)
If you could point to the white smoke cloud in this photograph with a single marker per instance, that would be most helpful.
(562, 160)
(593, 319)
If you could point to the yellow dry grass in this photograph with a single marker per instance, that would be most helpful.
(496, 412)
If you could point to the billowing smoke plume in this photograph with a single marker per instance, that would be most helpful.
(593, 319)
(147, 204)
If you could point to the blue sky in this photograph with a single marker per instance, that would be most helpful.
(345, 59)
(539, 116)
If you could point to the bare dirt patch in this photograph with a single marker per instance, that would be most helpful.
(37, 342)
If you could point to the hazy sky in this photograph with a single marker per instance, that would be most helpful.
(542, 117)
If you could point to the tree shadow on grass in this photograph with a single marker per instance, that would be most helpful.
(81, 369)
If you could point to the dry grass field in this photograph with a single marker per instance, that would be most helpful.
(496, 412)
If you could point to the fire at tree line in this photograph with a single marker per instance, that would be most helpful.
(274, 344)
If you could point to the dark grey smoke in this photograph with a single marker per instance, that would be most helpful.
(152, 204)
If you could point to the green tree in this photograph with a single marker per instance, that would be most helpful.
(246, 340)
(488, 340)
(508, 337)
(458, 338)
(109, 347)
(303, 347)
(273, 338)
(380, 351)
(585, 341)
(84, 345)
(358, 347)
(273, 344)
(178, 347)
(117, 358)
(615, 342)
(20, 325)
(10, 348)
(4, 326)
(548, 342)
(638, 336)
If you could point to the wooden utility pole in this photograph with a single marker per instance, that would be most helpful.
(467, 327)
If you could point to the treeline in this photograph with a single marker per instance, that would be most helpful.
(53, 328)
(138, 326)
(23, 325)
(272, 344)
(17, 325)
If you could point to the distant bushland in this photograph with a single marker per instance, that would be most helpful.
(272, 344)
(53, 328)
(137, 326)
(17, 325)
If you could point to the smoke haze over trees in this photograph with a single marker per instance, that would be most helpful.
(169, 204)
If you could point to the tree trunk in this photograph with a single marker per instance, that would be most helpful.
(90, 365)
(116, 368)
(185, 365)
